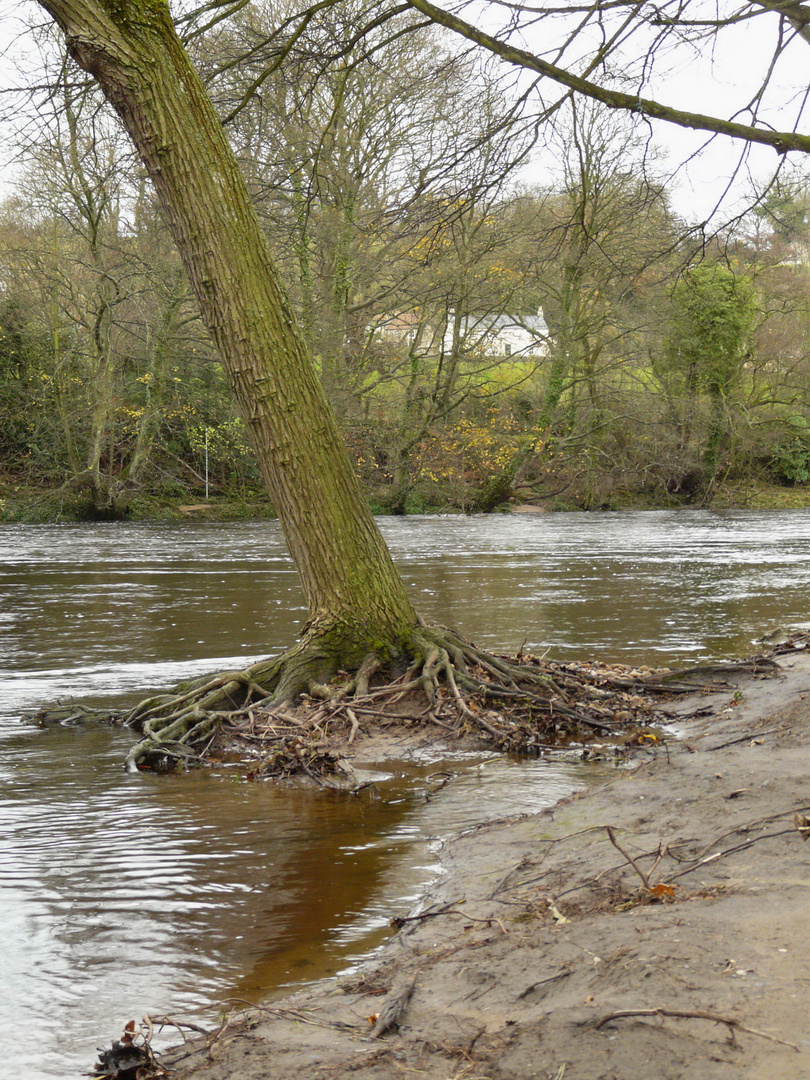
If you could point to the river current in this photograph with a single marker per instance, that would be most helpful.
(121, 895)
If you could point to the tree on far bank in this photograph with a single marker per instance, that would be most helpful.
(601, 240)
(384, 181)
(104, 295)
(714, 314)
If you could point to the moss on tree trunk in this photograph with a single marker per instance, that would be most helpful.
(357, 602)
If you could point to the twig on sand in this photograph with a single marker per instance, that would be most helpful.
(167, 1021)
(732, 1024)
(743, 738)
(398, 921)
(297, 1016)
(730, 851)
(611, 835)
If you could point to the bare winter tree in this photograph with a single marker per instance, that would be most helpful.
(360, 617)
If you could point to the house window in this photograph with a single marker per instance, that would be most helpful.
(507, 349)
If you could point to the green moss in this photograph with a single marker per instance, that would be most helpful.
(134, 14)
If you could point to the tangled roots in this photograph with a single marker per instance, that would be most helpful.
(520, 703)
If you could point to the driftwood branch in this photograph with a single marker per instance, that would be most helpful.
(394, 1007)
(399, 921)
(732, 1024)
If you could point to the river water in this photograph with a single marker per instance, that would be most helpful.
(121, 894)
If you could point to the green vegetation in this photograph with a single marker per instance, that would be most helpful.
(663, 371)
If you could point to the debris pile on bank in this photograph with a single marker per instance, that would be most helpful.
(613, 705)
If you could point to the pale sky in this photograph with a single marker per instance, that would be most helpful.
(718, 88)
(720, 78)
(718, 81)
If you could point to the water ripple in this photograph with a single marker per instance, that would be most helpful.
(120, 894)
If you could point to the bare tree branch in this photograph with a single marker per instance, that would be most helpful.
(781, 141)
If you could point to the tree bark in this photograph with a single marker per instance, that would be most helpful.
(356, 598)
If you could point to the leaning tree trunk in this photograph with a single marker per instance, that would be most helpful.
(357, 602)
(360, 616)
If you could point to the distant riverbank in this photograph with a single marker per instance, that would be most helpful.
(26, 503)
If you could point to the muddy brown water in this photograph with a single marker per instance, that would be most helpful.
(121, 895)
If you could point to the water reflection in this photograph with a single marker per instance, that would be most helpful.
(122, 894)
(126, 894)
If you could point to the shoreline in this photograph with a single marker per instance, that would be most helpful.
(22, 504)
(675, 894)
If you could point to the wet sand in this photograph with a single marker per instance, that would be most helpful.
(653, 927)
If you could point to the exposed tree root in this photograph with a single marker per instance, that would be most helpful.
(520, 703)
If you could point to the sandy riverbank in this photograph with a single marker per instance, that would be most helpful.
(544, 929)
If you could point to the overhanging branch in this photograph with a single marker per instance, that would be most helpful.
(780, 141)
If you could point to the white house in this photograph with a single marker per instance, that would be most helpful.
(501, 335)
(490, 336)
